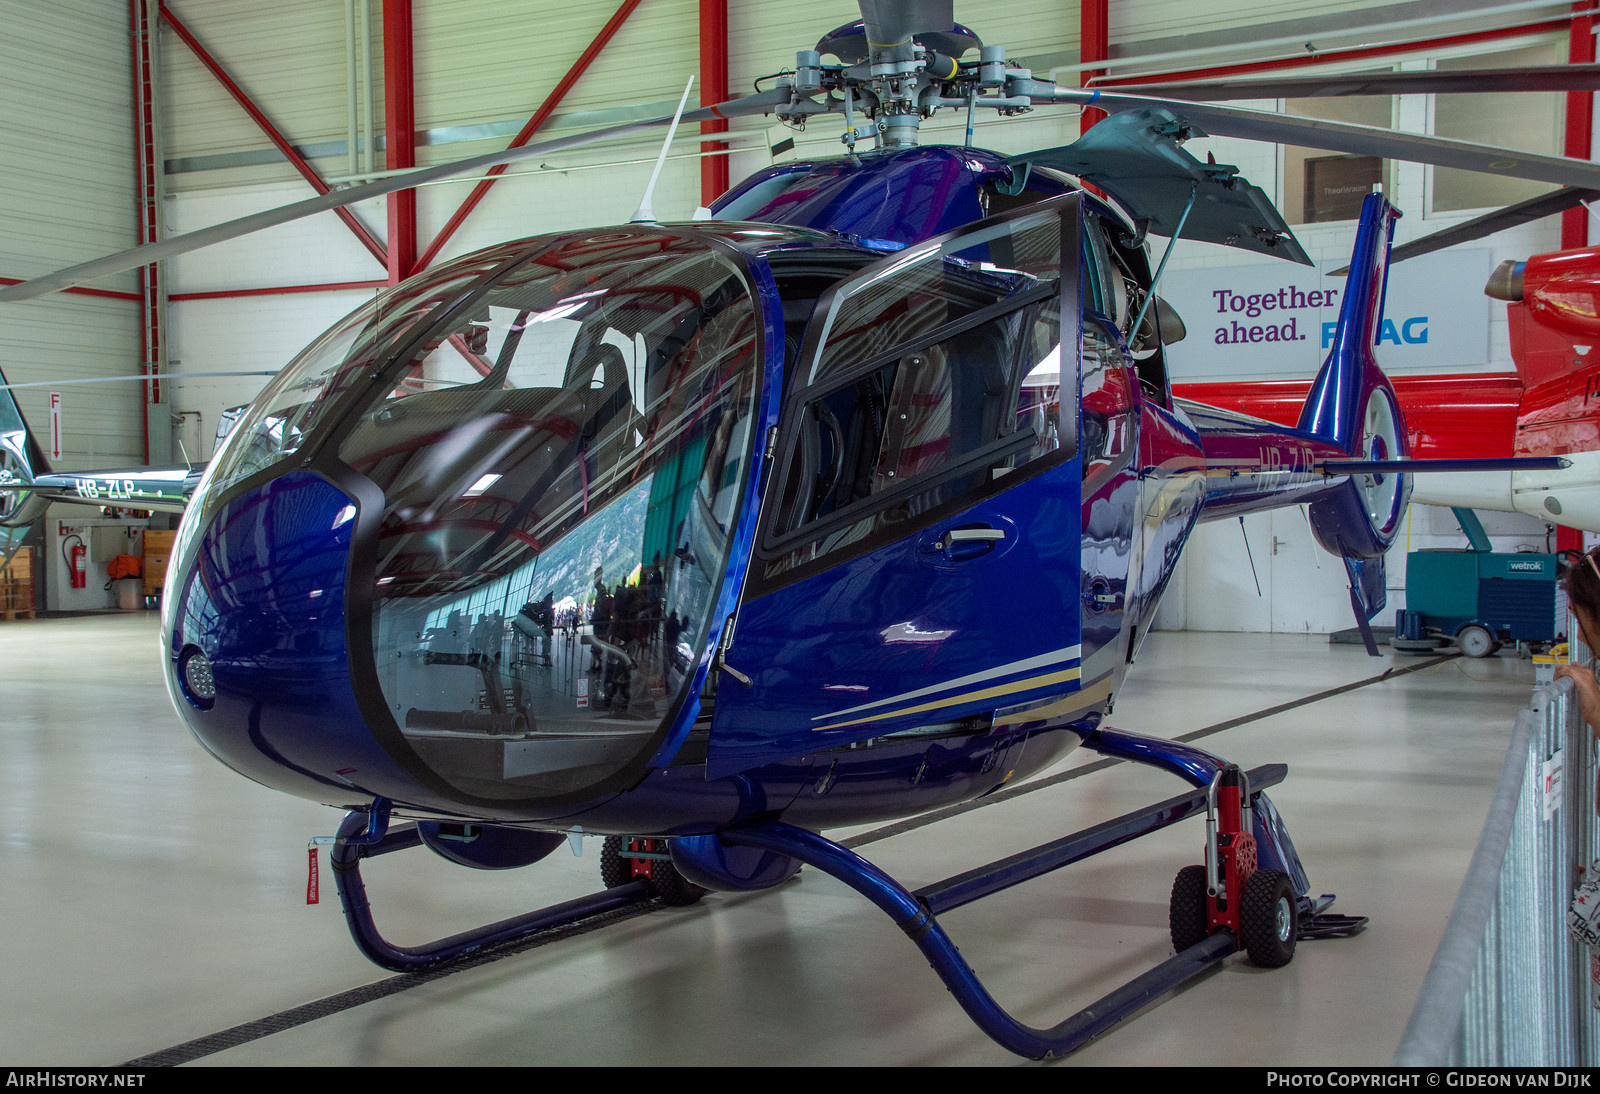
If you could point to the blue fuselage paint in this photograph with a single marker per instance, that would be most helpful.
(906, 677)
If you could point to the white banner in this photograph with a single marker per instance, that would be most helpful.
(1278, 319)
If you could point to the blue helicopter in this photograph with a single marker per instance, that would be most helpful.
(852, 502)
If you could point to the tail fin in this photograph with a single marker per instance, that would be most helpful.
(1353, 406)
(1334, 406)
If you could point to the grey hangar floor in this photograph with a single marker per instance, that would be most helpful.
(152, 898)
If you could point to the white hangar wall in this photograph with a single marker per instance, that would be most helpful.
(479, 69)
(67, 195)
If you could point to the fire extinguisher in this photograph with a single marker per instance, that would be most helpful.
(77, 561)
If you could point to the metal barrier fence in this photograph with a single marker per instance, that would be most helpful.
(1508, 986)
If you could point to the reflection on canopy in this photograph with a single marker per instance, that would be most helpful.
(561, 456)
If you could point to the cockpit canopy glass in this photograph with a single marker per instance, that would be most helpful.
(562, 456)
(927, 378)
(310, 387)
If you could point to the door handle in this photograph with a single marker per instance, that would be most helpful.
(969, 535)
(720, 661)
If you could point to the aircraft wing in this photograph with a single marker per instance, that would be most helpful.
(163, 489)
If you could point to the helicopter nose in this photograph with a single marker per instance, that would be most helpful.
(259, 663)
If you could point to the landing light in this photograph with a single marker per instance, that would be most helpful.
(194, 669)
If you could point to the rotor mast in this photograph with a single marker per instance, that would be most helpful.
(897, 71)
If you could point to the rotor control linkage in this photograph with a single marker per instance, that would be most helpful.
(898, 92)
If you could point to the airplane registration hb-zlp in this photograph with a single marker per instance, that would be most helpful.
(850, 503)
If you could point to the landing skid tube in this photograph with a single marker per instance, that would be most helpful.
(916, 912)
(362, 835)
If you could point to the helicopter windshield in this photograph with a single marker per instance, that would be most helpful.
(561, 458)
(302, 395)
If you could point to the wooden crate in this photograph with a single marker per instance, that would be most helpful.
(157, 553)
(16, 586)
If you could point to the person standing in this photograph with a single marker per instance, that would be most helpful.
(1583, 597)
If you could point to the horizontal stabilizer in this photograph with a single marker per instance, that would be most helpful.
(1510, 463)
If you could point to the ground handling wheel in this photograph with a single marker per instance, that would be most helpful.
(1476, 641)
(1186, 914)
(614, 868)
(1269, 919)
(624, 859)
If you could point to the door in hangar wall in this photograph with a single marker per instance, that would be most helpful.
(1303, 589)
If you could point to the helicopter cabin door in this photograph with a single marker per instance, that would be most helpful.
(917, 563)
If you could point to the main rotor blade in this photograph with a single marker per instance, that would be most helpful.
(72, 276)
(1568, 197)
(1260, 125)
(1494, 80)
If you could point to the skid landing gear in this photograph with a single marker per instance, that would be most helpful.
(1266, 911)
(1271, 907)
(365, 835)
